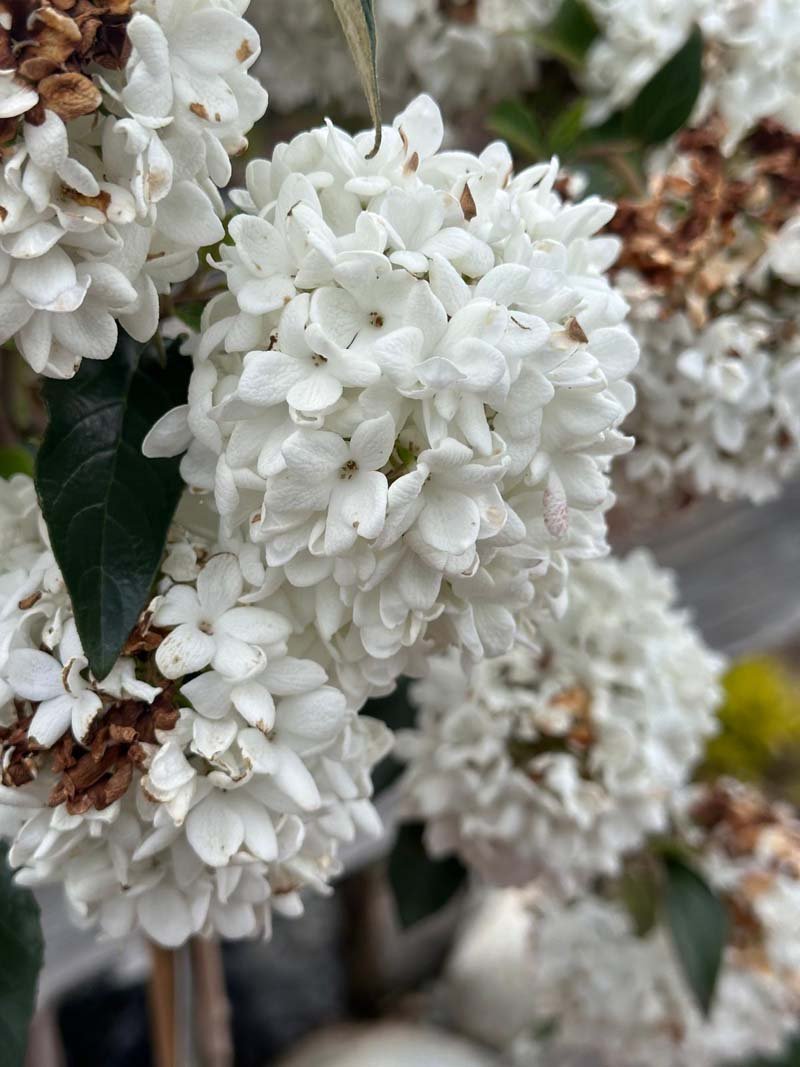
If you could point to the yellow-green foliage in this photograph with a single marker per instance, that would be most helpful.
(760, 720)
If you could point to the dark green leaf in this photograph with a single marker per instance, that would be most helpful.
(665, 103)
(570, 34)
(421, 886)
(21, 953)
(107, 507)
(15, 459)
(566, 128)
(517, 124)
(698, 923)
(398, 714)
(358, 22)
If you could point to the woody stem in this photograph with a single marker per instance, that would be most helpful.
(163, 1031)
(212, 1010)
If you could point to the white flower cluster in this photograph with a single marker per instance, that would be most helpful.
(751, 62)
(558, 761)
(204, 782)
(462, 52)
(408, 399)
(709, 267)
(624, 1001)
(109, 171)
(718, 407)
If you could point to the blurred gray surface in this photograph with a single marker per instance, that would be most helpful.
(738, 568)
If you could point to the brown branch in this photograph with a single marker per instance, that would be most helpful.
(212, 1010)
(163, 1032)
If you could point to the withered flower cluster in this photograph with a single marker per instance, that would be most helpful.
(51, 46)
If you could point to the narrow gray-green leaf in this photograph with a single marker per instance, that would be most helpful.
(698, 923)
(107, 507)
(358, 22)
(21, 953)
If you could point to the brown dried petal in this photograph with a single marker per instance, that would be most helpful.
(70, 95)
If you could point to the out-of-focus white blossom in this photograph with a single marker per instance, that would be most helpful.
(622, 999)
(707, 266)
(169, 797)
(718, 407)
(558, 761)
(462, 52)
(408, 400)
(751, 67)
(109, 173)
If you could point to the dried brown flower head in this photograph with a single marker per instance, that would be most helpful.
(52, 46)
(707, 221)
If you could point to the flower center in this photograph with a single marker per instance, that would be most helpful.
(348, 470)
(376, 319)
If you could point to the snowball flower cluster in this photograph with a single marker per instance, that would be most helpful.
(709, 268)
(407, 401)
(203, 783)
(718, 408)
(751, 67)
(623, 1000)
(555, 762)
(117, 119)
(460, 52)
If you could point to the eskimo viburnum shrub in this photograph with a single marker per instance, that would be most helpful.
(554, 762)
(117, 120)
(204, 782)
(747, 849)
(408, 399)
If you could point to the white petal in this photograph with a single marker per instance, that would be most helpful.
(184, 651)
(255, 704)
(164, 916)
(34, 675)
(316, 716)
(52, 720)
(209, 694)
(219, 585)
(214, 830)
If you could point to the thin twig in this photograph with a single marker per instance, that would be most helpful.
(163, 1031)
(211, 1006)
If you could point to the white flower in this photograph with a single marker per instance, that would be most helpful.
(410, 396)
(619, 998)
(175, 815)
(211, 629)
(103, 211)
(63, 696)
(560, 761)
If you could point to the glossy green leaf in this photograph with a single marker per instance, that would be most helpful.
(569, 36)
(358, 22)
(516, 123)
(698, 923)
(421, 885)
(21, 954)
(106, 506)
(667, 101)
